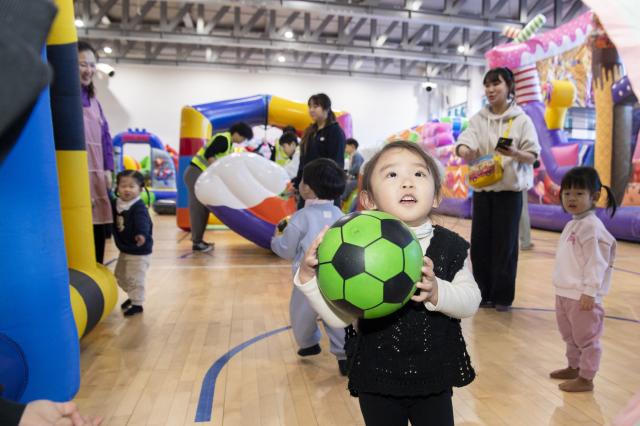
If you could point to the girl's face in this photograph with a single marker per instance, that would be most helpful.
(87, 64)
(317, 113)
(128, 188)
(576, 201)
(402, 185)
(497, 92)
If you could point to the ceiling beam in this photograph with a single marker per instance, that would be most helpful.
(381, 12)
(260, 43)
(293, 68)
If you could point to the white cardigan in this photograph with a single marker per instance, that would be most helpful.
(459, 298)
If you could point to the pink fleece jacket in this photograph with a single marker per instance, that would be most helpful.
(584, 258)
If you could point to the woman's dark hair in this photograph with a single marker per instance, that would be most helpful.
(325, 178)
(431, 164)
(494, 74)
(324, 102)
(83, 46)
(288, 137)
(587, 178)
(243, 129)
(352, 141)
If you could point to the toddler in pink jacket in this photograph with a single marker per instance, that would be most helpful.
(581, 277)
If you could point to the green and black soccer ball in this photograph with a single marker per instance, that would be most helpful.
(369, 263)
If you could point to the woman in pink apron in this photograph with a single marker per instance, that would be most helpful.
(99, 149)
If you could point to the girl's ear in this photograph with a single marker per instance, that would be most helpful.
(367, 201)
(596, 196)
(436, 202)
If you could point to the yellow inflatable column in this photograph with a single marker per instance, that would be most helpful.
(93, 287)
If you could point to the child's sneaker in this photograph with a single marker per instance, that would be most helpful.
(202, 247)
(579, 384)
(125, 305)
(311, 350)
(133, 310)
(565, 373)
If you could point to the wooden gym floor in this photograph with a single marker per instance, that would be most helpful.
(149, 369)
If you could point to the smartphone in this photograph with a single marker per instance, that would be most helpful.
(504, 143)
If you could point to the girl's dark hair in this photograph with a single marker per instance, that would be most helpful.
(83, 46)
(494, 74)
(136, 175)
(243, 129)
(325, 178)
(587, 178)
(352, 141)
(429, 161)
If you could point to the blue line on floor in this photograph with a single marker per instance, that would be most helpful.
(110, 262)
(553, 310)
(204, 411)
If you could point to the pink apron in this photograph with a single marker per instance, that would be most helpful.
(100, 204)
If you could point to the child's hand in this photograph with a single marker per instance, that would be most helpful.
(310, 259)
(140, 240)
(428, 286)
(587, 303)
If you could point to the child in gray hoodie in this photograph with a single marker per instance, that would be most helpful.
(322, 182)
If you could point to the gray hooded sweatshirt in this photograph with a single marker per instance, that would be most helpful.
(483, 132)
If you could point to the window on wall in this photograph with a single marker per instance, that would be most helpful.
(459, 110)
(580, 123)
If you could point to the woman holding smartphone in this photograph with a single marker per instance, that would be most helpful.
(500, 128)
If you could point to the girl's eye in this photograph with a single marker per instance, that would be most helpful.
(392, 174)
(421, 174)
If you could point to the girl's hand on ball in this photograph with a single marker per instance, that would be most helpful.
(428, 286)
(310, 260)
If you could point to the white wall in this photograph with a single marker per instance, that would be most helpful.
(151, 97)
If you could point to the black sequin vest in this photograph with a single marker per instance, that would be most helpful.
(413, 352)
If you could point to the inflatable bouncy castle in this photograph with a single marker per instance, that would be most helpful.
(614, 151)
(158, 168)
(246, 199)
(610, 153)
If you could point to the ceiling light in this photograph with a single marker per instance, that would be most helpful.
(381, 40)
(208, 54)
(107, 50)
(105, 20)
(358, 64)
(415, 5)
(461, 49)
(282, 58)
(288, 34)
(79, 23)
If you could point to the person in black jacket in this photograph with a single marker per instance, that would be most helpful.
(132, 234)
(324, 138)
